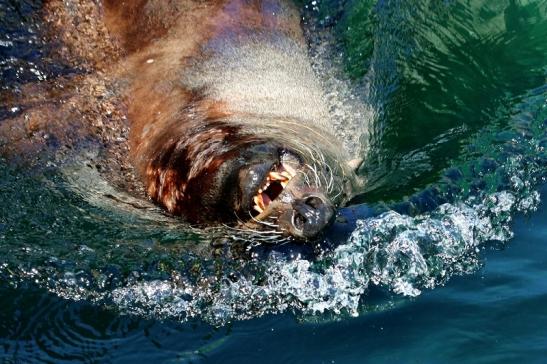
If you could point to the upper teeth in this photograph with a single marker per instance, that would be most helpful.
(282, 177)
(277, 176)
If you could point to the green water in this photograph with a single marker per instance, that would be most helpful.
(441, 259)
(439, 73)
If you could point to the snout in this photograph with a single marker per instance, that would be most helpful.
(310, 215)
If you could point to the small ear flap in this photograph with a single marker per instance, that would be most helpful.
(354, 164)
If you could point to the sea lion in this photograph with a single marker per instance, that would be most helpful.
(228, 122)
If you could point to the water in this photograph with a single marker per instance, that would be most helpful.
(440, 259)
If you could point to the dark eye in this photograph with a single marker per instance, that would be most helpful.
(290, 159)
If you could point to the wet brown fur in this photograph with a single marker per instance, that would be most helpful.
(135, 52)
(178, 138)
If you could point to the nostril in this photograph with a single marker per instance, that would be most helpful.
(310, 216)
(298, 221)
(314, 201)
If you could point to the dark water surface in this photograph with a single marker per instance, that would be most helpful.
(496, 315)
(442, 259)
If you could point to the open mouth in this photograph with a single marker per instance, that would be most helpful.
(273, 185)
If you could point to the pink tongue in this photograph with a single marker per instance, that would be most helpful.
(266, 199)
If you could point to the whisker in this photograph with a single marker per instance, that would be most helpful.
(306, 178)
(259, 232)
(325, 178)
(317, 177)
(317, 182)
(330, 185)
(284, 242)
(263, 222)
(338, 194)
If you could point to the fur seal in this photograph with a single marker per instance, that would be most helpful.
(228, 122)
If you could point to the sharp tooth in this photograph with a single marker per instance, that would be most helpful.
(259, 201)
(258, 209)
(277, 176)
(284, 183)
